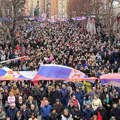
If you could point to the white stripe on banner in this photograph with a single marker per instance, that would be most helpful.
(28, 74)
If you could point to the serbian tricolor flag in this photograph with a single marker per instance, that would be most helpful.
(111, 79)
(57, 72)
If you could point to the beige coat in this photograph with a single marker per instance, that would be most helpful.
(96, 103)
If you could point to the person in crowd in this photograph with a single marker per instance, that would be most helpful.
(58, 106)
(74, 101)
(103, 94)
(32, 117)
(113, 118)
(96, 102)
(101, 113)
(107, 103)
(113, 93)
(12, 112)
(11, 98)
(88, 112)
(54, 94)
(119, 104)
(32, 110)
(1, 96)
(25, 112)
(71, 107)
(115, 112)
(66, 115)
(36, 94)
(43, 102)
(115, 98)
(19, 103)
(64, 95)
(24, 96)
(26, 89)
(93, 92)
(5, 96)
(87, 100)
(98, 89)
(79, 95)
(14, 90)
(76, 114)
(19, 116)
(42, 93)
(2, 114)
(45, 110)
(30, 101)
(53, 115)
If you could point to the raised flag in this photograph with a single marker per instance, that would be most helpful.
(58, 72)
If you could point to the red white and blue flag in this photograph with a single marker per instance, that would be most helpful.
(58, 72)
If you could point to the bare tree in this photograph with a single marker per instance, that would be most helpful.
(100, 8)
(83, 7)
(108, 14)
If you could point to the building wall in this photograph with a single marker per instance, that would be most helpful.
(42, 6)
(54, 7)
(30, 7)
(57, 7)
(62, 8)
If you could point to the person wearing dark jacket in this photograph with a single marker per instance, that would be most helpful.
(42, 93)
(53, 115)
(25, 112)
(12, 111)
(19, 116)
(19, 103)
(115, 112)
(5, 96)
(107, 103)
(58, 106)
(71, 107)
(36, 94)
(88, 113)
(64, 92)
(54, 94)
(101, 113)
(32, 110)
(76, 114)
(30, 101)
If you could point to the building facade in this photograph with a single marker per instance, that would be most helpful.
(42, 6)
(50, 7)
(31, 6)
(62, 8)
(54, 7)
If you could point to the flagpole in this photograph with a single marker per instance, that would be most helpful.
(12, 59)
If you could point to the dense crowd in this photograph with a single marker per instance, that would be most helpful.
(64, 43)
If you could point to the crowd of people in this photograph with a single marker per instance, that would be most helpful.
(58, 101)
(64, 43)
(68, 44)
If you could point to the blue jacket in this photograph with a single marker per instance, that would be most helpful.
(12, 113)
(79, 96)
(45, 111)
(64, 93)
(87, 114)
